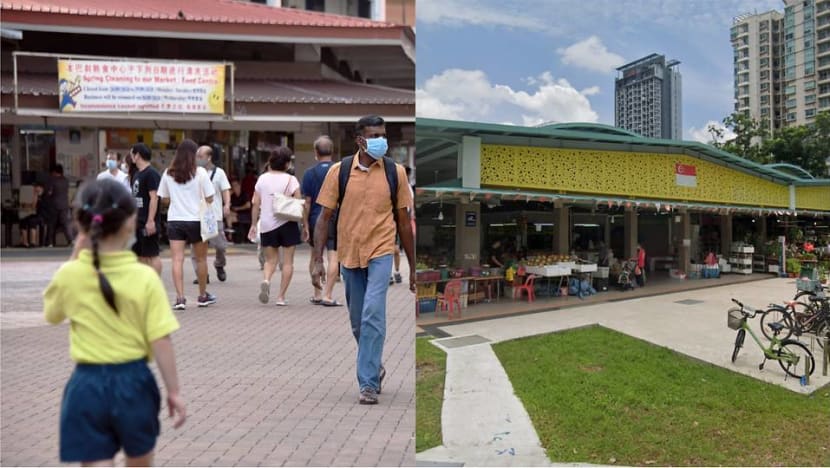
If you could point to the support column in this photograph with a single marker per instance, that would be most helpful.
(631, 233)
(468, 238)
(561, 228)
(684, 249)
(725, 234)
(762, 227)
(469, 163)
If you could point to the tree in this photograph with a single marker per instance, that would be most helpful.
(806, 146)
(750, 135)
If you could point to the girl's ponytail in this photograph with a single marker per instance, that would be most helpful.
(105, 206)
(95, 237)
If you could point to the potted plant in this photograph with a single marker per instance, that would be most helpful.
(793, 267)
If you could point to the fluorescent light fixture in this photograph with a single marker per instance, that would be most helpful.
(586, 225)
(543, 224)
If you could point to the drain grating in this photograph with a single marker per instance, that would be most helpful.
(462, 341)
(689, 302)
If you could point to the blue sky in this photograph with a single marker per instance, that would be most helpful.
(531, 61)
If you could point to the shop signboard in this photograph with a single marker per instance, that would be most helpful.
(685, 175)
(139, 86)
(470, 219)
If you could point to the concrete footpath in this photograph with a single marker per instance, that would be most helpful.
(264, 385)
(479, 399)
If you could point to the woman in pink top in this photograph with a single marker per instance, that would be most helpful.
(274, 231)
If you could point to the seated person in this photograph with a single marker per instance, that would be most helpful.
(30, 225)
(240, 217)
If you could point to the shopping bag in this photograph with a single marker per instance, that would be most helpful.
(287, 207)
(208, 224)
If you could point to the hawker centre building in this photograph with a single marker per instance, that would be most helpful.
(572, 188)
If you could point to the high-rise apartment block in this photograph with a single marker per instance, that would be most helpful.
(647, 98)
(782, 63)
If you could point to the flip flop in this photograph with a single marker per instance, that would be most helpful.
(330, 304)
(315, 301)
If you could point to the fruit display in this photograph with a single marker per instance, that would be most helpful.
(543, 260)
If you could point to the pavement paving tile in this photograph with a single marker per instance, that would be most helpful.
(265, 386)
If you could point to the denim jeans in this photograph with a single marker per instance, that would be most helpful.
(366, 298)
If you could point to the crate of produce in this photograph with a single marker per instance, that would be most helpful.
(427, 290)
(568, 265)
(426, 276)
(457, 273)
(585, 268)
(602, 272)
(426, 306)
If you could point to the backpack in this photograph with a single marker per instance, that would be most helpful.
(391, 178)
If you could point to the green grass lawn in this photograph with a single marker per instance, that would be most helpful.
(430, 367)
(599, 396)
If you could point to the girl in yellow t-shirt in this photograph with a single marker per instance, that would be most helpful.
(120, 319)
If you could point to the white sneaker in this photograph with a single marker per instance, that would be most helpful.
(264, 291)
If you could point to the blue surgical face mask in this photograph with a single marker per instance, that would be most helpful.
(112, 164)
(376, 147)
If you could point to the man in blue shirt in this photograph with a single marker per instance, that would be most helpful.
(312, 183)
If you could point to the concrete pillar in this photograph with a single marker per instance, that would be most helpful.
(470, 162)
(631, 233)
(684, 249)
(725, 234)
(762, 227)
(561, 228)
(468, 238)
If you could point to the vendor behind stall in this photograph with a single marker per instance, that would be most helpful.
(496, 256)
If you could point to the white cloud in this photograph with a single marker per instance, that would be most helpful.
(469, 95)
(573, 17)
(704, 136)
(590, 54)
(457, 12)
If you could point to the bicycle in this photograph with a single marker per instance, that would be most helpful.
(799, 318)
(790, 354)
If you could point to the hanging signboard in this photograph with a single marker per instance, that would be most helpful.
(133, 86)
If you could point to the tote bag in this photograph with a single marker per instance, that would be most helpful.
(207, 218)
(287, 207)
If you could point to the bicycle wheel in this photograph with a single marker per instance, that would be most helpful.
(773, 315)
(739, 341)
(802, 294)
(791, 357)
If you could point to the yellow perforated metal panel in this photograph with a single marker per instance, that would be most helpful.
(620, 173)
(812, 198)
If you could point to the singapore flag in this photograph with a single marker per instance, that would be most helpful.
(685, 175)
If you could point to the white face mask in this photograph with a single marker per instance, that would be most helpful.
(124, 167)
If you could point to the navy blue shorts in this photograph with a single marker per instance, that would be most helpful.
(107, 407)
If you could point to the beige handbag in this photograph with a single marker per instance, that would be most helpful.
(287, 207)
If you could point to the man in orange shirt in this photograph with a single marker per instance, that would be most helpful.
(367, 224)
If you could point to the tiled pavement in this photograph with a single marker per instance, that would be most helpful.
(264, 385)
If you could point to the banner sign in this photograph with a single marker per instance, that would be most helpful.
(132, 86)
(685, 175)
